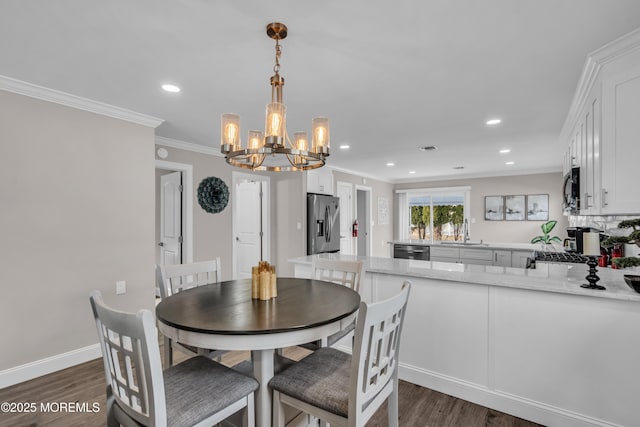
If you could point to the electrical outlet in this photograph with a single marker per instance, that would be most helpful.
(121, 287)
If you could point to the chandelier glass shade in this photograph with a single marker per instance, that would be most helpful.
(272, 150)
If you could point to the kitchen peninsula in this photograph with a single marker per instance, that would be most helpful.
(529, 342)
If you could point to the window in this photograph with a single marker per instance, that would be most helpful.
(434, 214)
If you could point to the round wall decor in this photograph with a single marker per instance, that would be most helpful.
(213, 194)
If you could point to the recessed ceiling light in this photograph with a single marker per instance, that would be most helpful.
(493, 122)
(510, 163)
(428, 148)
(412, 172)
(345, 147)
(171, 88)
(391, 164)
(505, 151)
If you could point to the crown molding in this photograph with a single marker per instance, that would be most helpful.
(539, 171)
(51, 95)
(188, 146)
(591, 71)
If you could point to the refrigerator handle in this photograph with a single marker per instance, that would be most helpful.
(327, 221)
(330, 224)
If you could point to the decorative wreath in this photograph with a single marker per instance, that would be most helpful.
(213, 194)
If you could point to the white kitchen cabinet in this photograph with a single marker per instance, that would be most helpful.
(476, 256)
(586, 137)
(621, 138)
(591, 153)
(602, 128)
(320, 181)
(444, 254)
(519, 258)
(480, 256)
(502, 258)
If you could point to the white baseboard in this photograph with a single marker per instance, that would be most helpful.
(514, 405)
(36, 369)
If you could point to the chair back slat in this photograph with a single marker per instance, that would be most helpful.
(132, 361)
(376, 347)
(178, 277)
(342, 272)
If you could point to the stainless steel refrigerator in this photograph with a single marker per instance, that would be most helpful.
(323, 224)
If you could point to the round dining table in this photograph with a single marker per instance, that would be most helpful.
(223, 316)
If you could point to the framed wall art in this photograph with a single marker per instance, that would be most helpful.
(514, 208)
(494, 208)
(537, 207)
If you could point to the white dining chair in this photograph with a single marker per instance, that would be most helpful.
(177, 277)
(346, 390)
(198, 391)
(174, 278)
(342, 272)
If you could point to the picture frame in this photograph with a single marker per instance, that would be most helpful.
(514, 208)
(538, 207)
(494, 208)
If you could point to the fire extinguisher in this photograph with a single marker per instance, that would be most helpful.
(354, 228)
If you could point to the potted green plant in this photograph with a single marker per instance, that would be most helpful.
(546, 238)
(632, 238)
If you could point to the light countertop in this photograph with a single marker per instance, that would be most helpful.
(546, 277)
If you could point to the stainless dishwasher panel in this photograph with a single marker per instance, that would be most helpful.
(411, 252)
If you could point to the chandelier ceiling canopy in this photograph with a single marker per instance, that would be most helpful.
(272, 150)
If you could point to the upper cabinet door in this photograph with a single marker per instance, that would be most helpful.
(620, 147)
(320, 181)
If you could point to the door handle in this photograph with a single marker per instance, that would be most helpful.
(237, 239)
(161, 244)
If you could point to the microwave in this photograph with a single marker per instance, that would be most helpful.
(571, 192)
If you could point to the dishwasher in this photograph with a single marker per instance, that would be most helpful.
(406, 251)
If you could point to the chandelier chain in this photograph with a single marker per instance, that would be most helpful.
(276, 68)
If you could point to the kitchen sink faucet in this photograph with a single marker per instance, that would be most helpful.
(465, 230)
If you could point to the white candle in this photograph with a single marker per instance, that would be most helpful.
(591, 244)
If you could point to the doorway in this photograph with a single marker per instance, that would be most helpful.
(170, 241)
(251, 222)
(186, 211)
(177, 202)
(363, 215)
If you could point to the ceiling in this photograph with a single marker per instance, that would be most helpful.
(391, 76)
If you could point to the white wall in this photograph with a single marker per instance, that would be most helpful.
(506, 231)
(77, 215)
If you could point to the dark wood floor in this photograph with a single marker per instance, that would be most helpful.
(419, 407)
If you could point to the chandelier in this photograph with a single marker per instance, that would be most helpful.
(273, 150)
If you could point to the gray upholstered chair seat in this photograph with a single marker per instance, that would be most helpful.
(192, 396)
(320, 379)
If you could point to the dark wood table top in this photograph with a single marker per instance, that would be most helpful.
(227, 307)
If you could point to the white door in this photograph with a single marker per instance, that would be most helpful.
(345, 193)
(171, 218)
(248, 225)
